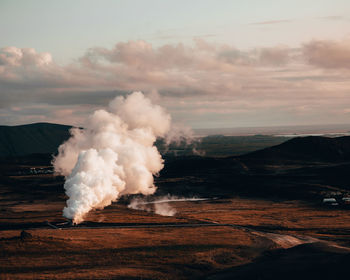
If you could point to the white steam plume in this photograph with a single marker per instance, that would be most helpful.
(160, 205)
(113, 155)
(164, 209)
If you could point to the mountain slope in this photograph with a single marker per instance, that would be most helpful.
(311, 148)
(32, 138)
(45, 138)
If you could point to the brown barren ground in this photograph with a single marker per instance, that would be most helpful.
(153, 252)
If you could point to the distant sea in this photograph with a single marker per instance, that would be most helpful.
(332, 130)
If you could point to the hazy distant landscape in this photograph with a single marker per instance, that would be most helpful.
(44, 138)
(286, 130)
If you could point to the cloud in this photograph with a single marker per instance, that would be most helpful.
(332, 18)
(201, 84)
(271, 22)
(275, 56)
(328, 54)
(12, 56)
(167, 36)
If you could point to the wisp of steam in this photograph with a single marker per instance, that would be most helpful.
(113, 155)
(157, 206)
(160, 205)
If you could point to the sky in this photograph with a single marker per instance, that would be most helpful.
(211, 64)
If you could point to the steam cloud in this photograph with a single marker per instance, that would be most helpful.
(160, 205)
(113, 155)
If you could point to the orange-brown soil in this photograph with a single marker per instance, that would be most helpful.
(155, 252)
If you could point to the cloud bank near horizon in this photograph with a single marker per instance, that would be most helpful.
(203, 84)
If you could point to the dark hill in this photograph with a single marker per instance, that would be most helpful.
(311, 148)
(307, 168)
(319, 261)
(44, 138)
(37, 138)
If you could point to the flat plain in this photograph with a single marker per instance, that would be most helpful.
(215, 238)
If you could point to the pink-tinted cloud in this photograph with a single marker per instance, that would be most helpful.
(12, 56)
(332, 18)
(276, 56)
(197, 83)
(272, 22)
(328, 54)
